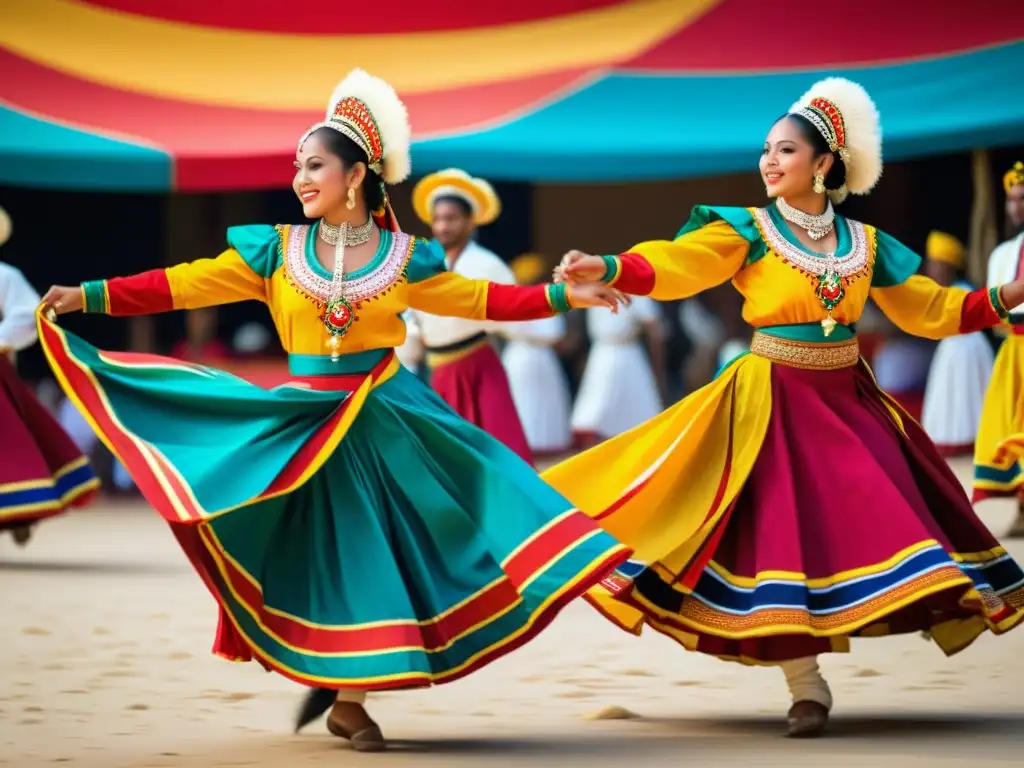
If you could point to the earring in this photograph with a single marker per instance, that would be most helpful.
(351, 198)
(819, 182)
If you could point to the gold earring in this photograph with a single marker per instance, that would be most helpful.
(351, 198)
(819, 182)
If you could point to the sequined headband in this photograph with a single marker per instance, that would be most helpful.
(1013, 177)
(352, 118)
(826, 117)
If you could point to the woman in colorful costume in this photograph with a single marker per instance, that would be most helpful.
(790, 504)
(357, 534)
(962, 365)
(999, 472)
(42, 471)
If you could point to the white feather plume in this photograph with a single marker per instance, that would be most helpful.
(390, 114)
(863, 131)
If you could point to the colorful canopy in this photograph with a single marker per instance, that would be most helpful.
(201, 95)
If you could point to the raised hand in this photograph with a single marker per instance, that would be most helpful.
(583, 295)
(63, 298)
(579, 267)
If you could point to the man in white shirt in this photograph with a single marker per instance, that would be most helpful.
(1000, 415)
(465, 369)
(42, 472)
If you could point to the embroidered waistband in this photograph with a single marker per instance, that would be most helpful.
(802, 354)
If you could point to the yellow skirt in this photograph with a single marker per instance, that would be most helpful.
(998, 449)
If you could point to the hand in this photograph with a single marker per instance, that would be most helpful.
(63, 298)
(583, 295)
(580, 267)
(1012, 294)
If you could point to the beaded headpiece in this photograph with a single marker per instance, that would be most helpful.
(847, 119)
(368, 111)
(1013, 177)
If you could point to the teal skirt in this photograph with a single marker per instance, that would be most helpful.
(355, 531)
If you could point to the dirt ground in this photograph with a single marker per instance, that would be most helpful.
(105, 634)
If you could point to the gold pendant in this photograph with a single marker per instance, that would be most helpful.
(334, 344)
(828, 325)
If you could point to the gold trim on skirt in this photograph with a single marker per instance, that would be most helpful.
(806, 354)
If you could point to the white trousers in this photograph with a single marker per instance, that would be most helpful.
(805, 681)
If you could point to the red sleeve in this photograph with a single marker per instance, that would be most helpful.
(517, 302)
(981, 309)
(636, 275)
(143, 294)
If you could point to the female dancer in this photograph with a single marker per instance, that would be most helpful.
(42, 472)
(357, 534)
(790, 504)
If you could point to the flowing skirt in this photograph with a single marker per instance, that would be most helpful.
(474, 383)
(42, 472)
(354, 530)
(996, 472)
(779, 511)
(957, 380)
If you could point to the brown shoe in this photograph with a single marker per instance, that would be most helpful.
(807, 720)
(351, 721)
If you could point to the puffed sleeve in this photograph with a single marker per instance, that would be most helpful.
(18, 302)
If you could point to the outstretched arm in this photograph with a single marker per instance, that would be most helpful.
(920, 306)
(433, 289)
(707, 252)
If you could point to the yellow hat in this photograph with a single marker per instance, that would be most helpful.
(529, 268)
(1013, 177)
(477, 194)
(942, 246)
(5, 226)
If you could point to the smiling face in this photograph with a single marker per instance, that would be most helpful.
(321, 181)
(788, 162)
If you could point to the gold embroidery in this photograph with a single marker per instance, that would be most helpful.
(808, 355)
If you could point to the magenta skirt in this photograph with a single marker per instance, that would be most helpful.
(42, 472)
(847, 526)
(476, 386)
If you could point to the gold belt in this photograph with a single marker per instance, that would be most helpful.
(806, 354)
(439, 359)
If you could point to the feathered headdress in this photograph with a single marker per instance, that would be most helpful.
(847, 118)
(1013, 177)
(368, 111)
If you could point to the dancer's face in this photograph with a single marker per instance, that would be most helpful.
(788, 163)
(321, 180)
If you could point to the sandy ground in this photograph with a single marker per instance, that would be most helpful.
(105, 631)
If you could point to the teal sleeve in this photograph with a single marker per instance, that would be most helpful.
(426, 260)
(259, 246)
(894, 262)
(739, 219)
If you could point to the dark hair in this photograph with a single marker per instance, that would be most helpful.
(350, 153)
(837, 173)
(459, 202)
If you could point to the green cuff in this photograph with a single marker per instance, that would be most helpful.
(612, 269)
(95, 300)
(997, 303)
(558, 297)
